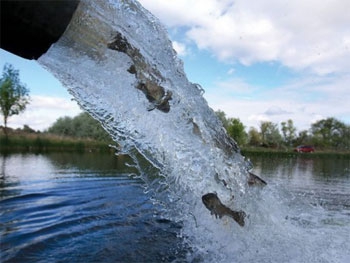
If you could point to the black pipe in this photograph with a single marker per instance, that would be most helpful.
(30, 27)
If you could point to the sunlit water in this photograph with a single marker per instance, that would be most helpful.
(93, 208)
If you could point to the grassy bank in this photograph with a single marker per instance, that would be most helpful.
(42, 142)
(45, 142)
(323, 153)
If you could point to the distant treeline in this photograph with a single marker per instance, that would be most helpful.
(327, 134)
(81, 133)
(83, 130)
(82, 126)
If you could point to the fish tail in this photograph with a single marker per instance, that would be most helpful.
(238, 216)
(255, 180)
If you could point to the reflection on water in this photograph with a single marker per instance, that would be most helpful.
(324, 181)
(304, 164)
(79, 208)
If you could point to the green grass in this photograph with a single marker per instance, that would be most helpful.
(35, 142)
(324, 153)
(43, 142)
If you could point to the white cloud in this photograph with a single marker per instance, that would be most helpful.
(179, 48)
(231, 71)
(311, 37)
(276, 110)
(294, 101)
(43, 111)
(311, 34)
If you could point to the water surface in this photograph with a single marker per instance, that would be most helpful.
(93, 208)
(79, 208)
(323, 181)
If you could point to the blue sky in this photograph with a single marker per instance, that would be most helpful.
(49, 99)
(266, 60)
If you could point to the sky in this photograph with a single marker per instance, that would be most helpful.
(266, 60)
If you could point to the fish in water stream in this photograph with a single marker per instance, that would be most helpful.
(255, 180)
(214, 205)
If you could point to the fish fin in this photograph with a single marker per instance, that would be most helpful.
(151, 107)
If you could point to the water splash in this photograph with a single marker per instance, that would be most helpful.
(117, 61)
(115, 58)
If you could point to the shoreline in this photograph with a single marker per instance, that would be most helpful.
(324, 153)
(42, 143)
(45, 142)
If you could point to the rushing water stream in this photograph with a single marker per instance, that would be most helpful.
(116, 60)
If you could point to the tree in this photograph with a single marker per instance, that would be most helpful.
(14, 96)
(288, 132)
(222, 117)
(63, 126)
(303, 138)
(81, 126)
(254, 137)
(329, 132)
(270, 134)
(87, 127)
(236, 130)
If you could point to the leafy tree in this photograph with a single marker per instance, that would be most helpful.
(270, 134)
(325, 133)
(254, 137)
(63, 126)
(303, 138)
(222, 117)
(82, 126)
(288, 132)
(329, 132)
(87, 127)
(236, 130)
(14, 96)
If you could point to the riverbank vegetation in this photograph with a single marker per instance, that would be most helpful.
(327, 135)
(81, 133)
(290, 153)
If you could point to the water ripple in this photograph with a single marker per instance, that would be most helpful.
(74, 214)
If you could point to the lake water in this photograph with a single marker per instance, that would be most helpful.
(323, 181)
(93, 208)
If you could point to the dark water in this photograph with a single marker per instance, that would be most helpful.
(93, 208)
(80, 208)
